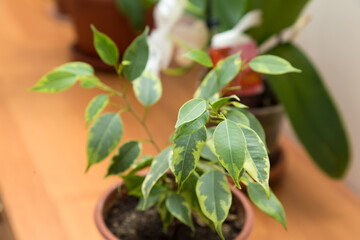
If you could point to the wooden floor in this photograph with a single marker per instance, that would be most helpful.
(44, 188)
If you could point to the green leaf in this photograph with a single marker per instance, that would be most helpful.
(237, 116)
(126, 156)
(133, 184)
(158, 168)
(164, 213)
(257, 162)
(222, 102)
(147, 88)
(199, 57)
(197, 8)
(154, 196)
(105, 134)
(225, 71)
(214, 196)
(230, 147)
(143, 163)
(105, 47)
(179, 208)
(55, 81)
(226, 13)
(190, 111)
(208, 151)
(271, 206)
(134, 10)
(80, 69)
(276, 16)
(191, 127)
(89, 82)
(95, 107)
(254, 124)
(137, 54)
(270, 64)
(187, 151)
(312, 113)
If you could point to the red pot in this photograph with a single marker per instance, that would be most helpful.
(107, 199)
(106, 17)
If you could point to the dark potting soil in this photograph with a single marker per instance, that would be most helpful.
(128, 224)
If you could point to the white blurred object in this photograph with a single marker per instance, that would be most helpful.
(193, 33)
(172, 23)
(236, 35)
(287, 35)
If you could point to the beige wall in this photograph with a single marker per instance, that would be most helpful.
(332, 40)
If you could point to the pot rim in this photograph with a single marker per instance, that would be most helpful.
(276, 108)
(108, 235)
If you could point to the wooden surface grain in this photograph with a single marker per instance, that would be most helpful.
(44, 188)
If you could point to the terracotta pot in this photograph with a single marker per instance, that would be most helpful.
(62, 6)
(105, 16)
(271, 118)
(109, 197)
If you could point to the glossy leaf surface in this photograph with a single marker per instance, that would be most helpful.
(104, 135)
(230, 147)
(187, 151)
(214, 196)
(126, 156)
(190, 111)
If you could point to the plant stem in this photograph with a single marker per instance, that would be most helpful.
(141, 121)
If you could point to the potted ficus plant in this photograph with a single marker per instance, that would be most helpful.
(188, 180)
(122, 20)
(304, 97)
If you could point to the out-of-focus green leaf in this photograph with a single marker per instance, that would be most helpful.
(312, 112)
(199, 57)
(277, 15)
(137, 55)
(270, 64)
(105, 47)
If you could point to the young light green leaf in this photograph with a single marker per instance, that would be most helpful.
(222, 102)
(158, 168)
(273, 65)
(199, 57)
(104, 135)
(95, 107)
(257, 163)
(105, 47)
(134, 11)
(271, 206)
(187, 151)
(238, 105)
(219, 77)
(230, 147)
(80, 69)
(214, 196)
(191, 127)
(89, 82)
(147, 88)
(137, 54)
(126, 156)
(179, 208)
(190, 111)
(164, 213)
(55, 81)
(143, 163)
